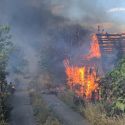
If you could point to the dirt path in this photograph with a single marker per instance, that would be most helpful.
(63, 112)
(22, 113)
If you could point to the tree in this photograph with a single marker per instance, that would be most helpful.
(113, 88)
(5, 48)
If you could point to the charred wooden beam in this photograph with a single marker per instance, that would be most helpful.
(107, 34)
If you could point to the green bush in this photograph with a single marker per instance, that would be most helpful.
(113, 89)
(5, 49)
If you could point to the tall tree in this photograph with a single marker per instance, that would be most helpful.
(5, 48)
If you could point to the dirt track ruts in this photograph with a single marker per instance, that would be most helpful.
(22, 113)
(63, 112)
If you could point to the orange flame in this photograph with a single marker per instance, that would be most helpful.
(94, 49)
(81, 79)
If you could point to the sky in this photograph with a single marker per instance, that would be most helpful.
(115, 8)
(108, 13)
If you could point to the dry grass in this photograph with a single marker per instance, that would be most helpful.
(67, 97)
(52, 121)
(2, 122)
(96, 115)
(42, 114)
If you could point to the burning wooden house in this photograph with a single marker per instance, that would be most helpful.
(112, 47)
(105, 50)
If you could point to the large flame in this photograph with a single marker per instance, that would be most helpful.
(94, 49)
(81, 79)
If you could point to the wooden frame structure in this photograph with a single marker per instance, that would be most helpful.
(112, 48)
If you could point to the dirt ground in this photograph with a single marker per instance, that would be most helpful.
(63, 112)
(22, 113)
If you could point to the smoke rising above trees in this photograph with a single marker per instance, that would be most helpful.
(52, 24)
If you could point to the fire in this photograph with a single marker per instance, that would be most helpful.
(74, 74)
(81, 79)
(94, 49)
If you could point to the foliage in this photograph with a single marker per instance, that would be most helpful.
(113, 89)
(5, 107)
(5, 49)
(3, 122)
(96, 115)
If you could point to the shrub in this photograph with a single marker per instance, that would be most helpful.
(96, 115)
(113, 89)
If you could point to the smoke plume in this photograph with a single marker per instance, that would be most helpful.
(52, 28)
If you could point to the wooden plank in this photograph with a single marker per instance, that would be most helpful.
(109, 39)
(108, 34)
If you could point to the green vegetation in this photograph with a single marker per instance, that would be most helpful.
(110, 110)
(5, 49)
(113, 90)
(96, 115)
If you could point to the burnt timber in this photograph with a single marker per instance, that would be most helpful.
(112, 48)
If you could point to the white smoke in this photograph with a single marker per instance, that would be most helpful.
(118, 9)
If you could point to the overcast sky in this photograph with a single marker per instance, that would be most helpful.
(109, 13)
